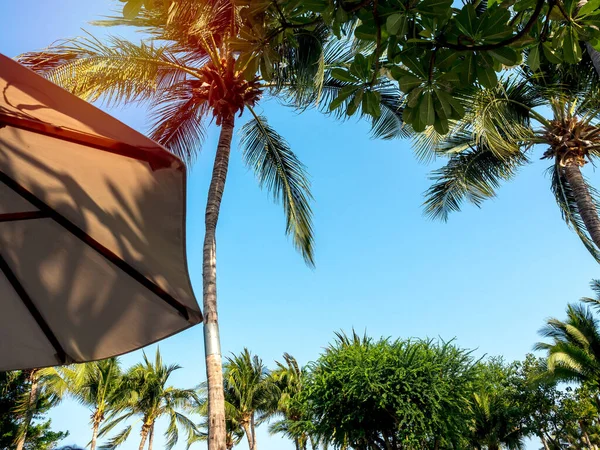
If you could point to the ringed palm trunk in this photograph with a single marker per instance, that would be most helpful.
(95, 426)
(145, 431)
(585, 203)
(212, 346)
(249, 435)
(253, 430)
(151, 439)
(33, 398)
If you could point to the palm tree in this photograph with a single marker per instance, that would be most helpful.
(500, 131)
(574, 350)
(46, 388)
(287, 381)
(198, 71)
(99, 386)
(234, 431)
(150, 398)
(495, 425)
(247, 391)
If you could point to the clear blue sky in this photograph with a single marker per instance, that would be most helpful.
(489, 277)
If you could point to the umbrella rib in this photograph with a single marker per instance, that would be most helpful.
(189, 315)
(61, 355)
(27, 215)
(155, 159)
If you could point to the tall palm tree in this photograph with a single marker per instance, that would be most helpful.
(495, 425)
(574, 350)
(150, 398)
(247, 391)
(199, 70)
(500, 132)
(99, 386)
(46, 387)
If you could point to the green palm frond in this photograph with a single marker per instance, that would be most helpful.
(472, 175)
(565, 198)
(117, 440)
(115, 73)
(281, 173)
(178, 120)
(389, 125)
(499, 118)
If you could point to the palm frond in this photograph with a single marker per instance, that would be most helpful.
(117, 440)
(280, 172)
(115, 73)
(178, 120)
(565, 198)
(473, 175)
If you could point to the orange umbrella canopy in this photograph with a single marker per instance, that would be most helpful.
(92, 230)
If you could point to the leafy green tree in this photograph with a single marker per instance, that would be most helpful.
(437, 49)
(502, 128)
(46, 388)
(368, 394)
(150, 398)
(14, 388)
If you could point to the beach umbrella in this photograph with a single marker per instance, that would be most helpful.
(92, 230)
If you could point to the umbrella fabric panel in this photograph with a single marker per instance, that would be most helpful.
(21, 341)
(92, 230)
(91, 308)
(26, 95)
(120, 202)
(12, 203)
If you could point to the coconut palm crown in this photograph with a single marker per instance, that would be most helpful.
(555, 108)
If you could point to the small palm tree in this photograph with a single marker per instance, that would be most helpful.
(574, 350)
(247, 391)
(234, 433)
(287, 382)
(150, 398)
(502, 128)
(99, 386)
(494, 426)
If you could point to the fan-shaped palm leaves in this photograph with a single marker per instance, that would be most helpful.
(150, 398)
(574, 350)
(500, 131)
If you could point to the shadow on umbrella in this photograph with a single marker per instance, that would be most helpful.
(92, 231)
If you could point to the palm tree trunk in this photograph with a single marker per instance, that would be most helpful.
(253, 430)
(584, 200)
(248, 433)
(212, 345)
(151, 439)
(33, 398)
(95, 426)
(144, 437)
(544, 442)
